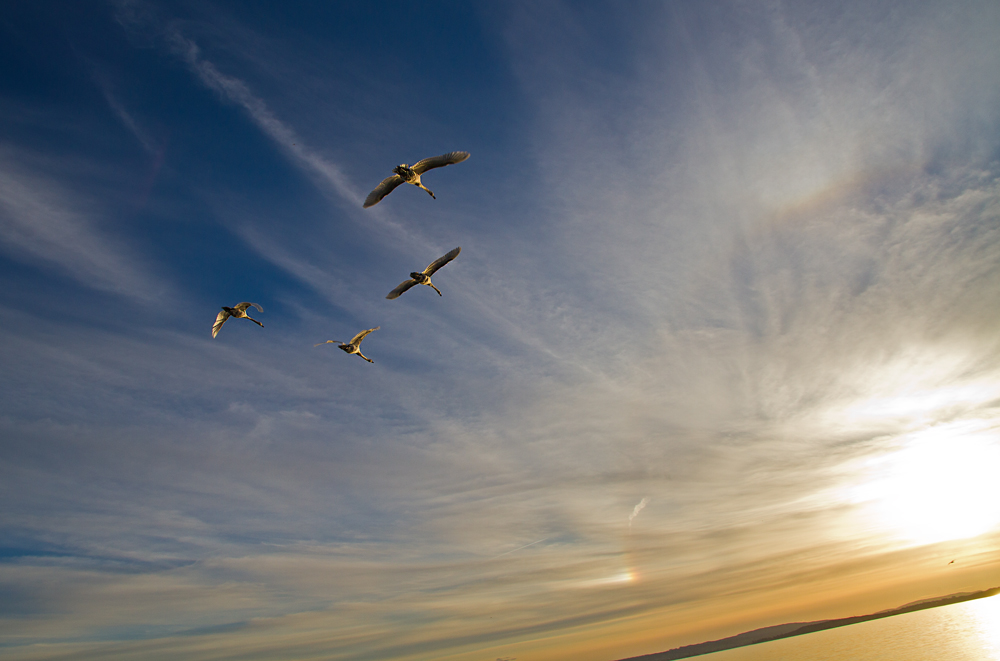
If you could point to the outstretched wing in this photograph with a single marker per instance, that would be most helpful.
(423, 166)
(242, 307)
(387, 186)
(441, 261)
(403, 286)
(219, 320)
(360, 336)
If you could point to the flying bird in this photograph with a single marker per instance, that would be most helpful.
(354, 346)
(425, 277)
(411, 175)
(238, 312)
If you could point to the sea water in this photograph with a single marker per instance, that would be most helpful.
(969, 631)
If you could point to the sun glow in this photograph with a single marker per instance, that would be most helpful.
(940, 486)
(924, 403)
(627, 576)
(985, 618)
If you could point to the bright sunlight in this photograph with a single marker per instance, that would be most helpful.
(941, 485)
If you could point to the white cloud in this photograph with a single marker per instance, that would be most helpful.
(284, 137)
(717, 284)
(638, 508)
(41, 221)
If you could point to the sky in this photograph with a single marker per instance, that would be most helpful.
(721, 349)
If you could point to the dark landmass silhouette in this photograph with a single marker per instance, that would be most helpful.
(779, 631)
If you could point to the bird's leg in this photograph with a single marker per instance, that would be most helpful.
(431, 284)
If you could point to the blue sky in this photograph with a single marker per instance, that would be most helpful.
(720, 350)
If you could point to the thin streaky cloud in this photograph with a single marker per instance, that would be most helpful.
(330, 175)
(697, 285)
(238, 92)
(125, 117)
(518, 548)
(39, 219)
(321, 280)
(129, 122)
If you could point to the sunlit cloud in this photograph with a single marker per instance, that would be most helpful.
(936, 484)
(623, 577)
(734, 270)
(635, 511)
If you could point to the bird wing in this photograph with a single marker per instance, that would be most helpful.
(423, 166)
(360, 336)
(403, 286)
(242, 307)
(219, 320)
(441, 261)
(387, 186)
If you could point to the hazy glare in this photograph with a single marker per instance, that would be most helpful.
(721, 349)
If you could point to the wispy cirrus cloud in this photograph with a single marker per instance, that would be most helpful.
(709, 316)
(41, 221)
(126, 117)
(284, 136)
(328, 176)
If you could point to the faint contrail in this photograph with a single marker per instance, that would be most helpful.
(238, 92)
(517, 549)
(638, 508)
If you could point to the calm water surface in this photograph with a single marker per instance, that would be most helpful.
(968, 631)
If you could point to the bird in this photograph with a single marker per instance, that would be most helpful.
(239, 312)
(411, 175)
(425, 277)
(354, 345)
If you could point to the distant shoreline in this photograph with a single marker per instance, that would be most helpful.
(779, 631)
